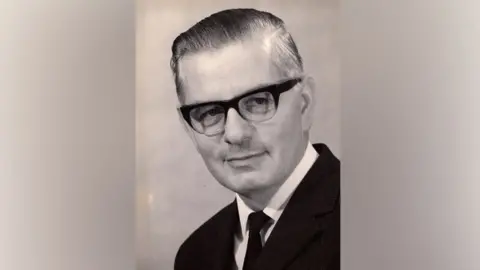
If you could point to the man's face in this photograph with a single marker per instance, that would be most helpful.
(248, 157)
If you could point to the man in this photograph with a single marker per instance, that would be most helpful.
(248, 107)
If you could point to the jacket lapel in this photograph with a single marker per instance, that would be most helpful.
(301, 221)
(218, 251)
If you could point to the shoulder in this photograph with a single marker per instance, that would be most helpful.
(205, 231)
(200, 240)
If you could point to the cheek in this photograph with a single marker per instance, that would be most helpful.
(281, 135)
(281, 129)
(209, 149)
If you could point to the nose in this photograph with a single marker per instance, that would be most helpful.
(237, 130)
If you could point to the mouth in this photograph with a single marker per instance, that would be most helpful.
(241, 158)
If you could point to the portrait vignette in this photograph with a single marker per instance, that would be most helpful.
(176, 192)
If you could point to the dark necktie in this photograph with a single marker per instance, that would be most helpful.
(256, 221)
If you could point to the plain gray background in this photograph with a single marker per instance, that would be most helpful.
(67, 135)
(178, 193)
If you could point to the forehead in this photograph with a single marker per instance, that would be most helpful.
(227, 72)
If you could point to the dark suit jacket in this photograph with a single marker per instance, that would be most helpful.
(307, 235)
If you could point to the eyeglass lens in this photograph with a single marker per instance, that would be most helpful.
(210, 119)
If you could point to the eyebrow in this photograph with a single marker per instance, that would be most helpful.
(258, 88)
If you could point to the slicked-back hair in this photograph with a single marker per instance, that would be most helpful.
(236, 25)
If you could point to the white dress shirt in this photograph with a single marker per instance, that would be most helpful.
(274, 208)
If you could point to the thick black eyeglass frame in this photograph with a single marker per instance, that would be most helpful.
(275, 89)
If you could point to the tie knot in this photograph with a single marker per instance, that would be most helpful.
(257, 220)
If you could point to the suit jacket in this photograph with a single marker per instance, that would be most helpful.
(307, 235)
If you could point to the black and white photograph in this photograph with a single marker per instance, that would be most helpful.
(238, 140)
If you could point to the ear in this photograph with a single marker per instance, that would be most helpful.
(187, 128)
(307, 102)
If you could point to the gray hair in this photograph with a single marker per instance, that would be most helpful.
(236, 25)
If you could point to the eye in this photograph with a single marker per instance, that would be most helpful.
(207, 115)
(258, 103)
(259, 100)
(210, 113)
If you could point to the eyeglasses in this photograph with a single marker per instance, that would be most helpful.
(258, 105)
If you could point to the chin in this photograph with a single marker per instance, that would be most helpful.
(247, 184)
(244, 182)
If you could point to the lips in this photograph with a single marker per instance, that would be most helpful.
(244, 157)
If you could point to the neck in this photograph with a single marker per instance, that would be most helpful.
(258, 199)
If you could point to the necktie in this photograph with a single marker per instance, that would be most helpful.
(256, 221)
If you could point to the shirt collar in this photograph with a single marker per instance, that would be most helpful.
(279, 200)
